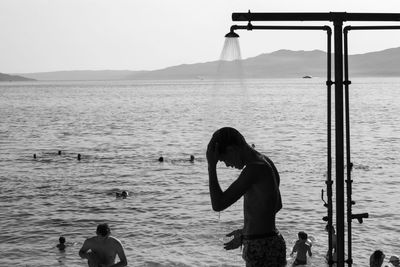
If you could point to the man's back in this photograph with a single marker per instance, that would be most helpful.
(302, 248)
(105, 249)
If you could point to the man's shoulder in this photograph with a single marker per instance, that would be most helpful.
(114, 240)
(257, 173)
(91, 239)
(258, 168)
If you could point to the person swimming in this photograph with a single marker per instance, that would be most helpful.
(191, 158)
(61, 246)
(161, 159)
(123, 194)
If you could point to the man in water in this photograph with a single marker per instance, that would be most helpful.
(259, 184)
(103, 249)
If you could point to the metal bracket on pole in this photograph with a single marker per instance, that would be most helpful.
(329, 83)
(359, 216)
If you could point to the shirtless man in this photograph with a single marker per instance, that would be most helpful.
(103, 249)
(259, 184)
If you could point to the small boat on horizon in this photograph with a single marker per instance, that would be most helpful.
(307, 77)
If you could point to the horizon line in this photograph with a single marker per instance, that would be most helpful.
(142, 70)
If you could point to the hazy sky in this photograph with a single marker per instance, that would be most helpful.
(50, 35)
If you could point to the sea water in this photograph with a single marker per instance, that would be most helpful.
(122, 128)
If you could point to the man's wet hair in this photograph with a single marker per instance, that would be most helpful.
(302, 235)
(227, 136)
(103, 229)
(61, 240)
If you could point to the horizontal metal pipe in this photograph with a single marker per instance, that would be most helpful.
(257, 27)
(327, 16)
(348, 28)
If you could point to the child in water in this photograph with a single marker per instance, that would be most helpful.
(394, 260)
(376, 259)
(302, 246)
(334, 241)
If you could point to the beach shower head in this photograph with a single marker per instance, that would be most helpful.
(231, 50)
(232, 34)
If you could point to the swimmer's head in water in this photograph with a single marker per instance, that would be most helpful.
(103, 230)
(61, 240)
(124, 194)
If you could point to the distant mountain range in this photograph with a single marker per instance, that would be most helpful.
(278, 64)
(13, 78)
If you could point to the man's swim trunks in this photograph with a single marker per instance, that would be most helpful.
(299, 262)
(267, 250)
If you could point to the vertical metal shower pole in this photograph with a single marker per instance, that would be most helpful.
(329, 181)
(349, 181)
(338, 45)
(348, 160)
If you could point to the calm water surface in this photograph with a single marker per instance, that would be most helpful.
(121, 128)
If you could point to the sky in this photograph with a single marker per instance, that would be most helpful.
(53, 35)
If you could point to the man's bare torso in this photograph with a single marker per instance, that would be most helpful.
(262, 201)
